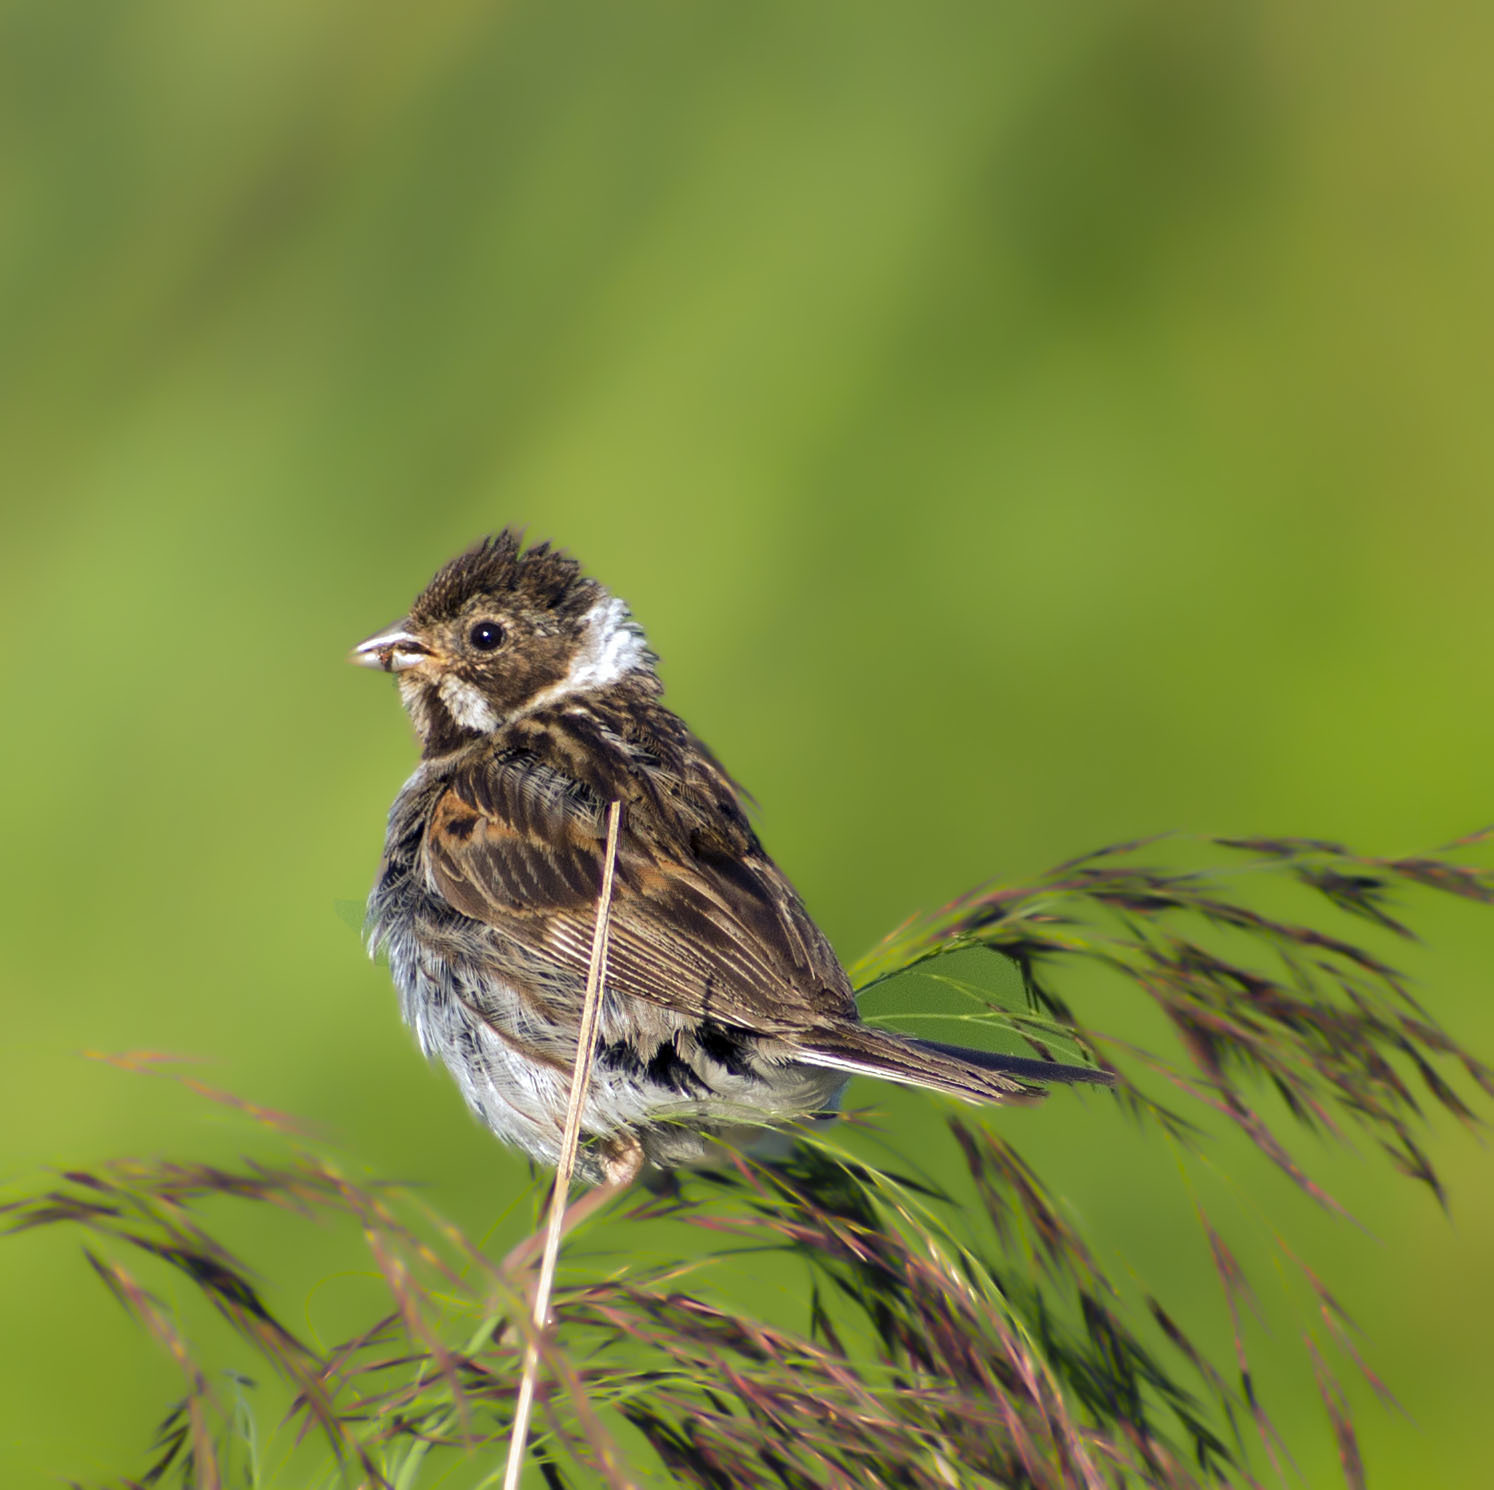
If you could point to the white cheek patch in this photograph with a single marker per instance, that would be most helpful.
(611, 647)
(465, 703)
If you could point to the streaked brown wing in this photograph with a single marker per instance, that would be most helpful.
(703, 923)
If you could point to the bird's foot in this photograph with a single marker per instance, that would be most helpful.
(622, 1163)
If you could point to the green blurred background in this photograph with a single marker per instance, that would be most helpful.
(1017, 426)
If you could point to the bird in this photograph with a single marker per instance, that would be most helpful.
(537, 704)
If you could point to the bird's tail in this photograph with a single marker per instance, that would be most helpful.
(972, 1075)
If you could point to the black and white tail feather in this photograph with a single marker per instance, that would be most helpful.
(971, 1075)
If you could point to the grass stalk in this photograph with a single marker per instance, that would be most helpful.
(570, 1141)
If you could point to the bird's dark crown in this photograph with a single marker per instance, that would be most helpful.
(539, 579)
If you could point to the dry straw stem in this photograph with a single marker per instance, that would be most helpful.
(586, 1041)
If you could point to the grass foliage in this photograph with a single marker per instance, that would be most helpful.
(929, 1351)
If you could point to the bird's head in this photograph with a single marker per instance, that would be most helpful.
(500, 632)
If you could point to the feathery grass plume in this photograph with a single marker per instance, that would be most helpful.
(926, 1351)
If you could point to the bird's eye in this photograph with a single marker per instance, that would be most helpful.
(486, 636)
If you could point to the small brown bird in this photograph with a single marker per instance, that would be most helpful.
(537, 703)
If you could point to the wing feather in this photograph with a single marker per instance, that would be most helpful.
(703, 922)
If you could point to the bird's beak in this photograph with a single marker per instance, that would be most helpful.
(393, 650)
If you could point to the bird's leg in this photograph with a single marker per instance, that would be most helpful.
(622, 1163)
